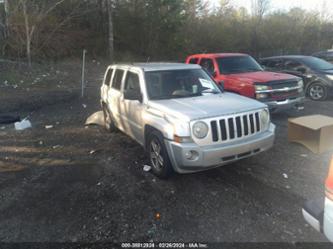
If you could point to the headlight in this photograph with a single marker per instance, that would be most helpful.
(330, 76)
(264, 119)
(200, 129)
(300, 85)
(261, 88)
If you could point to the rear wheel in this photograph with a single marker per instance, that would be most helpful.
(317, 91)
(158, 156)
(108, 122)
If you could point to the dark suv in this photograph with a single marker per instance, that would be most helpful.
(317, 74)
(325, 55)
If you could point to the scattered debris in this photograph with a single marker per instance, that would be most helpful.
(56, 147)
(304, 155)
(48, 127)
(92, 152)
(285, 175)
(24, 124)
(84, 106)
(146, 168)
(96, 119)
(99, 184)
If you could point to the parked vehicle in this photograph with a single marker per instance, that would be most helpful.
(319, 213)
(181, 117)
(316, 73)
(325, 55)
(241, 74)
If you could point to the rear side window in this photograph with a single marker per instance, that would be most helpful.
(132, 82)
(116, 84)
(208, 65)
(108, 77)
(194, 61)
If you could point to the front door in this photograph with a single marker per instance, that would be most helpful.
(131, 110)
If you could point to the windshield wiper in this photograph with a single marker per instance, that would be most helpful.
(213, 91)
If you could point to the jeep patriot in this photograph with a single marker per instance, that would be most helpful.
(184, 121)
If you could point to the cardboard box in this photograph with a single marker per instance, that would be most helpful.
(315, 132)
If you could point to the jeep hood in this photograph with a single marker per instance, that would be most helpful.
(194, 108)
(261, 76)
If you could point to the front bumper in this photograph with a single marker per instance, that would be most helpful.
(319, 214)
(217, 155)
(275, 105)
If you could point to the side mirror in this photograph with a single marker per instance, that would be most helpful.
(214, 74)
(301, 70)
(133, 95)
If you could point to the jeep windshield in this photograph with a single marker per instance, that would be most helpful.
(238, 64)
(171, 84)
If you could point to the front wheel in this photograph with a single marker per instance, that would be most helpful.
(317, 91)
(158, 156)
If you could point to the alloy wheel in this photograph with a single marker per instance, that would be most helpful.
(155, 155)
(317, 92)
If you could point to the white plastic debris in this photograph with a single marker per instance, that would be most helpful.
(56, 147)
(24, 124)
(84, 106)
(146, 168)
(304, 155)
(48, 127)
(285, 175)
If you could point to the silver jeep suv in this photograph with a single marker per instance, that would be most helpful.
(185, 122)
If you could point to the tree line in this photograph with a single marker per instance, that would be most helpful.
(129, 30)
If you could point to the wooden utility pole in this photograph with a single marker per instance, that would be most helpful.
(110, 31)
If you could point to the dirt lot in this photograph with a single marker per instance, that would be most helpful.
(70, 183)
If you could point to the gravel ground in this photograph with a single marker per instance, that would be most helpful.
(76, 184)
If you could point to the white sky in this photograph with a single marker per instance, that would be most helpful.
(316, 5)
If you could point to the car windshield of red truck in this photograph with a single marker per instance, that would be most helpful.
(238, 64)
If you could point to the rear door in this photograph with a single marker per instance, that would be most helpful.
(131, 110)
(106, 84)
(115, 94)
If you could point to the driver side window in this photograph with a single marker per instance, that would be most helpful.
(292, 65)
(208, 64)
(132, 82)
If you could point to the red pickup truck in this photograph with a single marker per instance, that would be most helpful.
(241, 74)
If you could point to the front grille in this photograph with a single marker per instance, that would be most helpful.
(283, 84)
(235, 127)
(285, 95)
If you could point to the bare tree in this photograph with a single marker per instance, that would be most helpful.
(110, 30)
(31, 9)
(260, 8)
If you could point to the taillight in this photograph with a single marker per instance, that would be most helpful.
(329, 182)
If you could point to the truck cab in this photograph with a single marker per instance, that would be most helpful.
(241, 74)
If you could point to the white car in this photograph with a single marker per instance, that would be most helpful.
(181, 117)
(319, 213)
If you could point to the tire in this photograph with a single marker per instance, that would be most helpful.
(158, 156)
(317, 91)
(108, 122)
